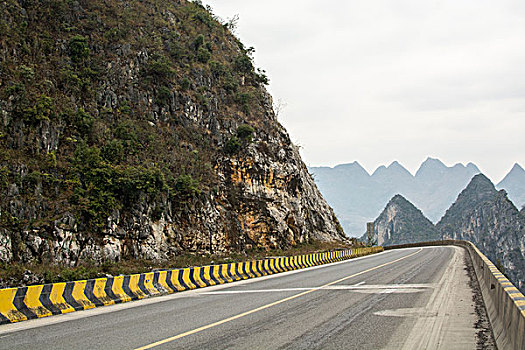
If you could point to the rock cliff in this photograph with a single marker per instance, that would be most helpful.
(487, 218)
(141, 129)
(401, 222)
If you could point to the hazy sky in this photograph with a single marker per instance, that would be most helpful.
(382, 80)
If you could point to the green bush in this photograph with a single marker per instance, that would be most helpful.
(16, 90)
(245, 132)
(232, 146)
(83, 122)
(78, 48)
(175, 50)
(217, 69)
(130, 182)
(203, 55)
(26, 73)
(186, 186)
(230, 83)
(261, 77)
(198, 42)
(86, 156)
(185, 84)
(100, 188)
(245, 99)
(51, 160)
(204, 18)
(124, 108)
(160, 68)
(4, 178)
(43, 109)
(113, 151)
(243, 64)
(163, 95)
(126, 131)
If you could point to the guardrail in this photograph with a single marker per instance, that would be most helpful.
(20, 304)
(505, 304)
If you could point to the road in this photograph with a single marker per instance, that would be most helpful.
(410, 298)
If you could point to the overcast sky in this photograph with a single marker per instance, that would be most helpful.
(382, 80)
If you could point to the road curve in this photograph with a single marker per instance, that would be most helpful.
(410, 298)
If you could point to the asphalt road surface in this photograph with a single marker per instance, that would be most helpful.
(411, 298)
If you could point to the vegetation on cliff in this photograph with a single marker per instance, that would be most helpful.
(124, 128)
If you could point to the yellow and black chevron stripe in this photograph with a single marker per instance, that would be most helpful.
(512, 292)
(24, 303)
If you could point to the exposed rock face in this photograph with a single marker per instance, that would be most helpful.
(141, 129)
(487, 218)
(401, 222)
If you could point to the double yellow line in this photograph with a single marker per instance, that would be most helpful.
(260, 308)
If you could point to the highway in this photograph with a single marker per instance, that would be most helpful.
(409, 298)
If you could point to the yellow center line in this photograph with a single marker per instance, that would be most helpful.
(232, 318)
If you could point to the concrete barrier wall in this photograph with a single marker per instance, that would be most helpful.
(504, 303)
(20, 304)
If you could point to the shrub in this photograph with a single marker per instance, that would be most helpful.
(232, 146)
(186, 186)
(245, 132)
(163, 95)
(43, 109)
(230, 84)
(70, 78)
(113, 151)
(83, 122)
(86, 156)
(160, 68)
(78, 48)
(198, 42)
(203, 55)
(26, 73)
(131, 181)
(243, 64)
(185, 84)
(126, 131)
(203, 17)
(51, 160)
(261, 77)
(175, 50)
(124, 108)
(217, 69)
(244, 99)
(15, 90)
(4, 178)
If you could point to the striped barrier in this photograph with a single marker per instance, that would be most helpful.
(24, 303)
(505, 304)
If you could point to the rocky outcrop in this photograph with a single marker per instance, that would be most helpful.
(401, 222)
(487, 218)
(141, 129)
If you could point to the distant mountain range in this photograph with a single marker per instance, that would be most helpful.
(514, 184)
(358, 197)
(481, 214)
